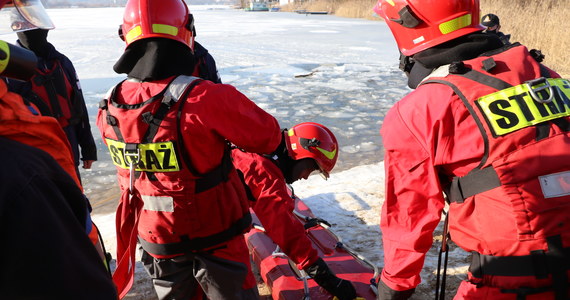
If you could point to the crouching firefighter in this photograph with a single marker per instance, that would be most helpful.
(168, 133)
(489, 126)
(309, 147)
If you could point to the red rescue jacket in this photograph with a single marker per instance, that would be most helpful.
(274, 206)
(53, 89)
(516, 202)
(20, 124)
(501, 157)
(193, 197)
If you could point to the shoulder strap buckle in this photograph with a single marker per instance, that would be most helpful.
(538, 85)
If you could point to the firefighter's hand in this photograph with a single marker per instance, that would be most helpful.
(87, 164)
(324, 277)
(386, 293)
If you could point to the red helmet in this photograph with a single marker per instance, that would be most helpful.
(169, 19)
(421, 24)
(313, 140)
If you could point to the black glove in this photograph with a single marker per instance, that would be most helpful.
(386, 293)
(324, 277)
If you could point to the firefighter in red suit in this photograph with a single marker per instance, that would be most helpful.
(310, 147)
(168, 134)
(486, 129)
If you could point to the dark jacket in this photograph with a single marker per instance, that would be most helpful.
(43, 222)
(205, 65)
(79, 131)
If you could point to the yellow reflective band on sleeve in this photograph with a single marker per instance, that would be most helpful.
(455, 24)
(166, 29)
(4, 47)
(133, 33)
(154, 157)
(514, 108)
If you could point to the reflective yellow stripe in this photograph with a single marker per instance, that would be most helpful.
(154, 157)
(391, 2)
(513, 108)
(4, 62)
(133, 33)
(328, 154)
(291, 132)
(165, 29)
(455, 24)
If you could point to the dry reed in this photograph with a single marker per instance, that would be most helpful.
(536, 24)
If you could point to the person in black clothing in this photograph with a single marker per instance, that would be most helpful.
(56, 91)
(206, 65)
(42, 223)
(44, 216)
(493, 24)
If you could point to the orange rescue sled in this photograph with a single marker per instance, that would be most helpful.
(287, 282)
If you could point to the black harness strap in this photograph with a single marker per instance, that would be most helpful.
(185, 156)
(544, 71)
(475, 182)
(461, 187)
(542, 131)
(558, 261)
(541, 264)
(178, 89)
(217, 175)
(472, 112)
(47, 81)
(562, 123)
(248, 192)
(522, 292)
(485, 79)
(200, 243)
(481, 180)
(536, 264)
(110, 119)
